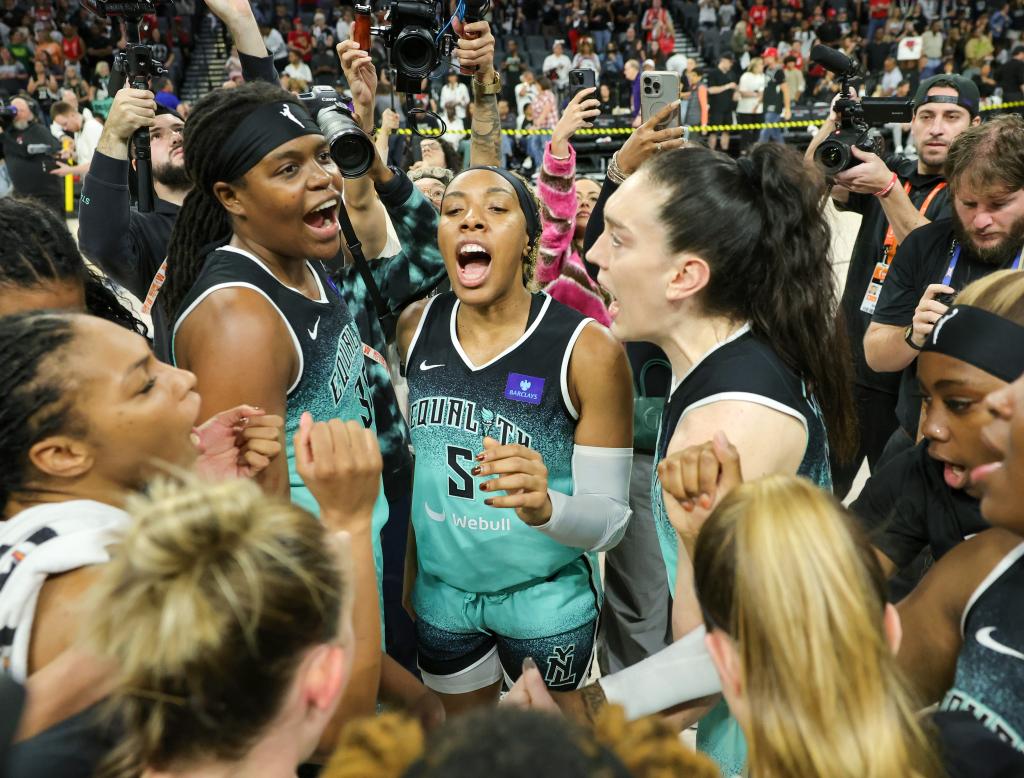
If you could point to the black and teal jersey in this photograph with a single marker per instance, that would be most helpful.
(519, 397)
(743, 368)
(331, 382)
(989, 679)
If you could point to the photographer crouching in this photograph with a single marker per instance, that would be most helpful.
(895, 195)
(31, 152)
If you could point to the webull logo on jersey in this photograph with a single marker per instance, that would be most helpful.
(461, 414)
(524, 388)
(465, 522)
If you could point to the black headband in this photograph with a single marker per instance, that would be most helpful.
(982, 339)
(525, 197)
(262, 131)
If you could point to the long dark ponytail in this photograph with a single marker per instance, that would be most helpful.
(202, 219)
(36, 249)
(770, 260)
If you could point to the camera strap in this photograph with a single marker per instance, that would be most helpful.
(889, 247)
(954, 257)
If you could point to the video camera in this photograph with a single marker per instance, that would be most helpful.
(351, 148)
(417, 38)
(7, 112)
(135, 66)
(858, 119)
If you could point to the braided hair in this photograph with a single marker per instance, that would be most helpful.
(37, 249)
(33, 402)
(202, 219)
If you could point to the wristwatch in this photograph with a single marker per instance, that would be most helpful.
(908, 336)
(491, 88)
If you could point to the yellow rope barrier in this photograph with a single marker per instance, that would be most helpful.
(701, 129)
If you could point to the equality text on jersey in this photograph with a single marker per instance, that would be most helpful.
(466, 415)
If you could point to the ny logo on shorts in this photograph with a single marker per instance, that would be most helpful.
(560, 666)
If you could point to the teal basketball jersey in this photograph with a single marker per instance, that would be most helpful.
(521, 396)
(331, 383)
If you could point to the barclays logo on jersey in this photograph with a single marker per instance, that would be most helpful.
(524, 388)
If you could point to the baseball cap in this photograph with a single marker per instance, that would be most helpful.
(1017, 50)
(967, 92)
(771, 51)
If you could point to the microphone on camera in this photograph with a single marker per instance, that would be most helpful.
(833, 60)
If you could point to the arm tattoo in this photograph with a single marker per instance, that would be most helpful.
(485, 139)
(593, 699)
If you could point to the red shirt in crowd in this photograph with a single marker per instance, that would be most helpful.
(74, 48)
(303, 41)
(759, 15)
(879, 8)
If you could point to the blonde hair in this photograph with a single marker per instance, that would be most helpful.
(1001, 293)
(782, 569)
(393, 746)
(207, 607)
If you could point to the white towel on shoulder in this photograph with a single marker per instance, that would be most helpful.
(39, 542)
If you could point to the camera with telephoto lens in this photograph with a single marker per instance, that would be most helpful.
(859, 120)
(351, 148)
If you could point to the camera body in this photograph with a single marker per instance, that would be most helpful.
(417, 38)
(416, 41)
(7, 113)
(351, 148)
(859, 120)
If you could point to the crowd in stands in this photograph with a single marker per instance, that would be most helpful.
(353, 454)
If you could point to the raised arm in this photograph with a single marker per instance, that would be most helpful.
(476, 51)
(556, 187)
(364, 207)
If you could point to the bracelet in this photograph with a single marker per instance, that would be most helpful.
(892, 183)
(614, 172)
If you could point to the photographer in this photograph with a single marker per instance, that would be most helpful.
(895, 195)
(128, 245)
(31, 153)
(985, 234)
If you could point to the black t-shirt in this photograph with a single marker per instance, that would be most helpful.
(922, 260)
(906, 506)
(773, 92)
(877, 54)
(723, 100)
(31, 154)
(1012, 77)
(867, 252)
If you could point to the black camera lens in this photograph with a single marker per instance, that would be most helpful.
(351, 148)
(832, 157)
(414, 52)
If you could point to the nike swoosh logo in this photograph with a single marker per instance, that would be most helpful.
(432, 513)
(424, 366)
(984, 636)
(312, 332)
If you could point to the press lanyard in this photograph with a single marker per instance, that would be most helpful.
(947, 280)
(889, 246)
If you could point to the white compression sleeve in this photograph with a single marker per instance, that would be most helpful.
(678, 673)
(594, 517)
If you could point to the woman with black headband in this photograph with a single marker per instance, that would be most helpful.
(254, 313)
(925, 496)
(520, 416)
(963, 636)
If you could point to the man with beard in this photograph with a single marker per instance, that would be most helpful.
(985, 171)
(130, 246)
(895, 195)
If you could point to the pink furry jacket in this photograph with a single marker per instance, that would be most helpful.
(560, 270)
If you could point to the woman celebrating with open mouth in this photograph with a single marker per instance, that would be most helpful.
(508, 383)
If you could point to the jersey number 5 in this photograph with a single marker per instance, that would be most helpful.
(460, 482)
